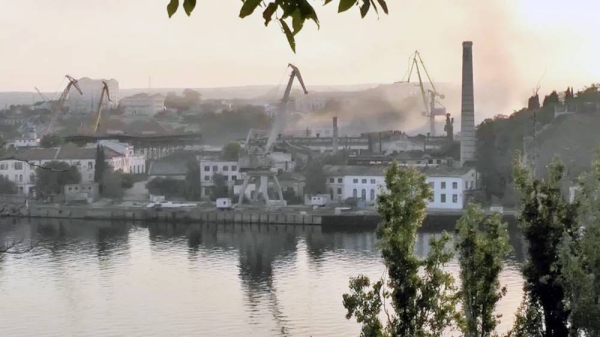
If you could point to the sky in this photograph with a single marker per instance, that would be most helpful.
(515, 43)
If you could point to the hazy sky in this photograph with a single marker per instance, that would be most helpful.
(130, 40)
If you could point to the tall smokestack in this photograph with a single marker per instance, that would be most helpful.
(467, 113)
(335, 135)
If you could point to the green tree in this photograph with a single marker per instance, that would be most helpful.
(167, 187)
(294, 12)
(231, 151)
(49, 141)
(544, 217)
(193, 187)
(220, 188)
(53, 176)
(481, 255)
(315, 178)
(580, 257)
(112, 184)
(7, 186)
(421, 293)
(99, 165)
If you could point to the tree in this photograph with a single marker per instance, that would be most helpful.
(112, 184)
(481, 255)
(7, 186)
(421, 293)
(551, 100)
(99, 165)
(167, 187)
(231, 151)
(49, 141)
(544, 218)
(315, 178)
(295, 12)
(220, 188)
(53, 176)
(580, 258)
(193, 187)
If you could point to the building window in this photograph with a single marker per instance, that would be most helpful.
(206, 168)
(340, 180)
(438, 161)
(364, 181)
(454, 198)
(90, 165)
(443, 198)
(233, 168)
(355, 181)
(20, 178)
(372, 194)
(32, 178)
(432, 185)
(466, 185)
(354, 193)
(225, 168)
(207, 178)
(418, 162)
(3, 166)
(430, 161)
(331, 180)
(372, 181)
(443, 185)
(339, 191)
(454, 185)
(18, 166)
(215, 168)
(363, 194)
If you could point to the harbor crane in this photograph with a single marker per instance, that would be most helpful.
(41, 95)
(59, 104)
(257, 162)
(429, 96)
(98, 115)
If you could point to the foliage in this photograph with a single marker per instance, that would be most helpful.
(290, 196)
(50, 141)
(220, 188)
(189, 99)
(315, 178)
(53, 176)
(231, 151)
(528, 320)
(544, 217)
(481, 255)
(422, 294)
(99, 165)
(295, 12)
(193, 185)
(127, 180)
(112, 184)
(7, 186)
(168, 187)
(580, 258)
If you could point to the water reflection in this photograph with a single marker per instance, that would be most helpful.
(111, 278)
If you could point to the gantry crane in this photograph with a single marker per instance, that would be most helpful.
(429, 96)
(59, 104)
(257, 162)
(98, 115)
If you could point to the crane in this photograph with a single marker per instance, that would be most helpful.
(257, 162)
(429, 96)
(58, 106)
(96, 122)
(41, 95)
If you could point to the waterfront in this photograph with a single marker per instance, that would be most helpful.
(96, 278)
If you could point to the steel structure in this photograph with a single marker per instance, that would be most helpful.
(256, 162)
(59, 104)
(98, 115)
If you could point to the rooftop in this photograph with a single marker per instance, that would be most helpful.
(361, 170)
(167, 169)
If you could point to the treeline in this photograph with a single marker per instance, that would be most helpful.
(499, 138)
(418, 297)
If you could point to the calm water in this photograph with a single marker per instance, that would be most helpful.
(114, 279)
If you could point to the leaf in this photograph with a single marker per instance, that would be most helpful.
(326, 2)
(383, 6)
(172, 7)
(188, 6)
(375, 7)
(248, 7)
(364, 9)
(268, 12)
(346, 5)
(297, 21)
(288, 34)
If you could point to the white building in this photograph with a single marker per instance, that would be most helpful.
(24, 173)
(366, 182)
(209, 166)
(311, 102)
(143, 104)
(92, 89)
(283, 161)
(131, 162)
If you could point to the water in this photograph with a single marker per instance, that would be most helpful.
(114, 279)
